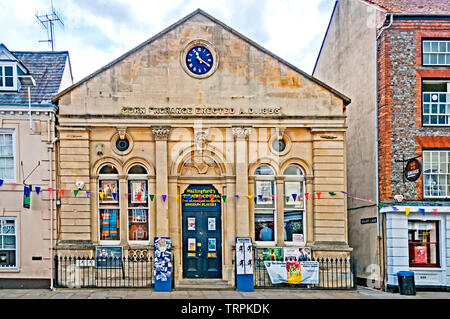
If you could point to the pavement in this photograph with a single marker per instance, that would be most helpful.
(83, 293)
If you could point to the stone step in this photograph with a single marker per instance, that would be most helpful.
(203, 284)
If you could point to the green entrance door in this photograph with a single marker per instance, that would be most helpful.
(202, 237)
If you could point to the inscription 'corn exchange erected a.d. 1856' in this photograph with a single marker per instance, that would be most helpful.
(200, 110)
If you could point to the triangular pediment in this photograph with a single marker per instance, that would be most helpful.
(156, 75)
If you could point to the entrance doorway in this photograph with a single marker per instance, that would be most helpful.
(202, 236)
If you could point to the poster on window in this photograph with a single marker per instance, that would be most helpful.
(191, 223)
(110, 192)
(267, 254)
(211, 223)
(191, 244)
(138, 192)
(212, 244)
(163, 264)
(109, 256)
(420, 254)
(292, 254)
(293, 194)
(244, 256)
(264, 193)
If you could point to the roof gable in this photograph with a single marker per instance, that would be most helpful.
(413, 6)
(202, 13)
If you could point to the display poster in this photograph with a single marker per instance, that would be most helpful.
(163, 264)
(292, 254)
(304, 272)
(268, 254)
(264, 192)
(191, 223)
(138, 191)
(420, 254)
(109, 188)
(277, 271)
(191, 244)
(109, 256)
(244, 256)
(26, 196)
(211, 244)
(211, 223)
(298, 237)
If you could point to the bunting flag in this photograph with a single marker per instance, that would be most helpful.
(152, 196)
(139, 196)
(62, 191)
(38, 189)
(211, 198)
(273, 196)
(422, 210)
(200, 198)
(332, 193)
(344, 192)
(237, 196)
(318, 194)
(101, 195)
(88, 193)
(249, 196)
(294, 196)
(224, 198)
(435, 211)
(188, 197)
(164, 197)
(381, 205)
(13, 185)
(176, 197)
(260, 197)
(407, 210)
(1, 182)
(307, 196)
(114, 195)
(394, 208)
(75, 192)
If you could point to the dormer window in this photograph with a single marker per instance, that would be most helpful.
(8, 77)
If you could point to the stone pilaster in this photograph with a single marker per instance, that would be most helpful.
(160, 135)
(241, 166)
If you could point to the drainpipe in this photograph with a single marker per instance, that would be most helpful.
(379, 239)
(51, 140)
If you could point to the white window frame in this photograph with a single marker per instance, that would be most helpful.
(17, 242)
(138, 178)
(255, 209)
(446, 173)
(299, 179)
(432, 102)
(106, 242)
(12, 132)
(14, 67)
(426, 54)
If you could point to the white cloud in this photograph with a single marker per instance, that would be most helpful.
(98, 31)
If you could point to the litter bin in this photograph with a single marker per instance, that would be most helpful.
(406, 283)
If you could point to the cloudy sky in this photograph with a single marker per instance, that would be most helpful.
(96, 32)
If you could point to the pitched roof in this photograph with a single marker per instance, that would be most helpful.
(47, 69)
(414, 6)
(226, 27)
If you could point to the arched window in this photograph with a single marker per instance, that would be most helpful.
(265, 203)
(294, 204)
(109, 203)
(138, 196)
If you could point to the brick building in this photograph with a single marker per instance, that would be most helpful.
(393, 59)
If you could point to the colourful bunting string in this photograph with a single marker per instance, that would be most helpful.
(75, 192)
(152, 196)
(394, 208)
(101, 195)
(114, 195)
(164, 197)
(435, 211)
(381, 205)
(88, 193)
(318, 194)
(224, 198)
(211, 198)
(294, 196)
(307, 196)
(13, 185)
(1, 182)
(332, 193)
(249, 196)
(38, 189)
(200, 198)
(176, 197)
(422, 210)
(407, 210)
(237, 196)
(139, 196)
(62, 191)
(50, 189)
(260, 197)
(188, 197)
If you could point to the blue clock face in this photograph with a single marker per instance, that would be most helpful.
(199, 60)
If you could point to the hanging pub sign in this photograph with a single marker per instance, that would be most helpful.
(413, 170)
(26, 196)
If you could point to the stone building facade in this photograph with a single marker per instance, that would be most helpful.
(409, 93)
(246, 126)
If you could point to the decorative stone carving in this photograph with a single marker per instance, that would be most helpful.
(202, 165)
(241, 132)
(121, 130)
(201, 139)
(160, 133)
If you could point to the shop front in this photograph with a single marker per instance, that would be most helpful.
(201, 135)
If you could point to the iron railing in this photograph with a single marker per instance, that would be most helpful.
(111, 272)
(334, 273)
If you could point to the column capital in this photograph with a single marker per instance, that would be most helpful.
(240, 132)
(161, 133)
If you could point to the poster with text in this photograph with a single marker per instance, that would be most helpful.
(109, 256)
(294, 272)
(268, 254)
(292, 254)
(242, 257)
(163, 264)
(420, 254)
(304, 272)
(277, 271)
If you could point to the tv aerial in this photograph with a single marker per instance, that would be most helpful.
(48, 23)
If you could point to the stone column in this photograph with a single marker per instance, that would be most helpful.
(160, 135)
(309, 205)
(279, 212)
(123, 188)
(241, 170)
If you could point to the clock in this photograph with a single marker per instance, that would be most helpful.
(199, 59)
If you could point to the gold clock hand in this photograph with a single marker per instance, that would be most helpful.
(200, 59)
